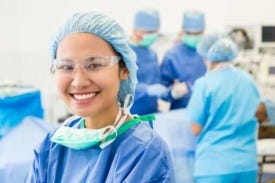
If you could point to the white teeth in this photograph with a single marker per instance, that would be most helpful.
(83, 96)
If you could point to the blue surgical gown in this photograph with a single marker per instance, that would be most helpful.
(224, 103)
(147, 74)
(181, 63)
(138, 155)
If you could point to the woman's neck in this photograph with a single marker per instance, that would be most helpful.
(102, 119)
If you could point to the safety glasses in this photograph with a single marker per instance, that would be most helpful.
(67, 67)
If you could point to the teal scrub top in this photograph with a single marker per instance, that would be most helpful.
(224, 103)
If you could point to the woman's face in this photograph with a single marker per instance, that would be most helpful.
(93, 92)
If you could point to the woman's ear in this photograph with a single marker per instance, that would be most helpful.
(123, 73)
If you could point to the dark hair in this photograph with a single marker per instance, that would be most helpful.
(248, 44)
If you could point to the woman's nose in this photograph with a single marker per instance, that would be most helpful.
(80, 76)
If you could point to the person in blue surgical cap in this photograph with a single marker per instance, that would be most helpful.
(95, 73)
(222, 110)
(182, 65)
(266, 112)
(149, 91)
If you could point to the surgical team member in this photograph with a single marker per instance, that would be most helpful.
(266, 112)
(222, 108)
(149, 90)
(95, 72)
(182, 65)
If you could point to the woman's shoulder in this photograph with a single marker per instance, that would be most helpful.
(142, 148)
(144, 137)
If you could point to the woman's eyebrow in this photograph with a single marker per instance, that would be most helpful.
(66, 60)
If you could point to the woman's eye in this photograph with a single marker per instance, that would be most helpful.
(65, 67)
(94, 66)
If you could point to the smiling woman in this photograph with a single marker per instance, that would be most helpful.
(95, 73)
(91, 93)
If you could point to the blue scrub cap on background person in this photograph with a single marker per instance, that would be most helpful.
(193, 21)
(270, 109)
(109, 30)
(217, 47)
(147, 20)
(224, 50)
(206, 42)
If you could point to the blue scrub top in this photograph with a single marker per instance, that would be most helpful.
(148, 67)
(144, 103)
(181, 63)
(224, 103)
(138, 155)
(148, 73)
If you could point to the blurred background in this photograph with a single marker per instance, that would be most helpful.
(27, 27)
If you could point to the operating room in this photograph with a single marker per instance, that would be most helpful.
(31, 106)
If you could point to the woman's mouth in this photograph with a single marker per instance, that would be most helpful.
(84, 96)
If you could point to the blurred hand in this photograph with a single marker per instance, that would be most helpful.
(163, 106)
(179, 90)
(158, 90)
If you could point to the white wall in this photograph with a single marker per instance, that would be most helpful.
(29, 24)
(26, 27)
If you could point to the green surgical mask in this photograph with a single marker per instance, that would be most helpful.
(78, 138)
(148, 40)
(191, 40)
(84, 138)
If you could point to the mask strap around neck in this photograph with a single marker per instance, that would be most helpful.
(119, 121)
(104, 143)
(128, 103)
(118, 116)
(124, 109)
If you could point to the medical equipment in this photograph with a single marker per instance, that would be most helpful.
(266, 72)
(17, 102)
(267, 35)
(265, 40)
(265, 148)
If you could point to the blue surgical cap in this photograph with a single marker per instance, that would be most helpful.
(217, 47)
(193, 21)
(109, 30)
(270, 109)
(147, 20)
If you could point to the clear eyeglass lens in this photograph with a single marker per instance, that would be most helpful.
(91, 64)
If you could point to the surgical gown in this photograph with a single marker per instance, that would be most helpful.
(138, 155)
(224, 103)
(147, 74)
(181, 63)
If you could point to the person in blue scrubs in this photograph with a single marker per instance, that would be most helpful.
(95, 73)
(182, 65)
(148, 90)
(222, 110)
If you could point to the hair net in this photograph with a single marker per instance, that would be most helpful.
(193, 21)
(217, 47)
(109, 30)
(270, 109)
(147, 20)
